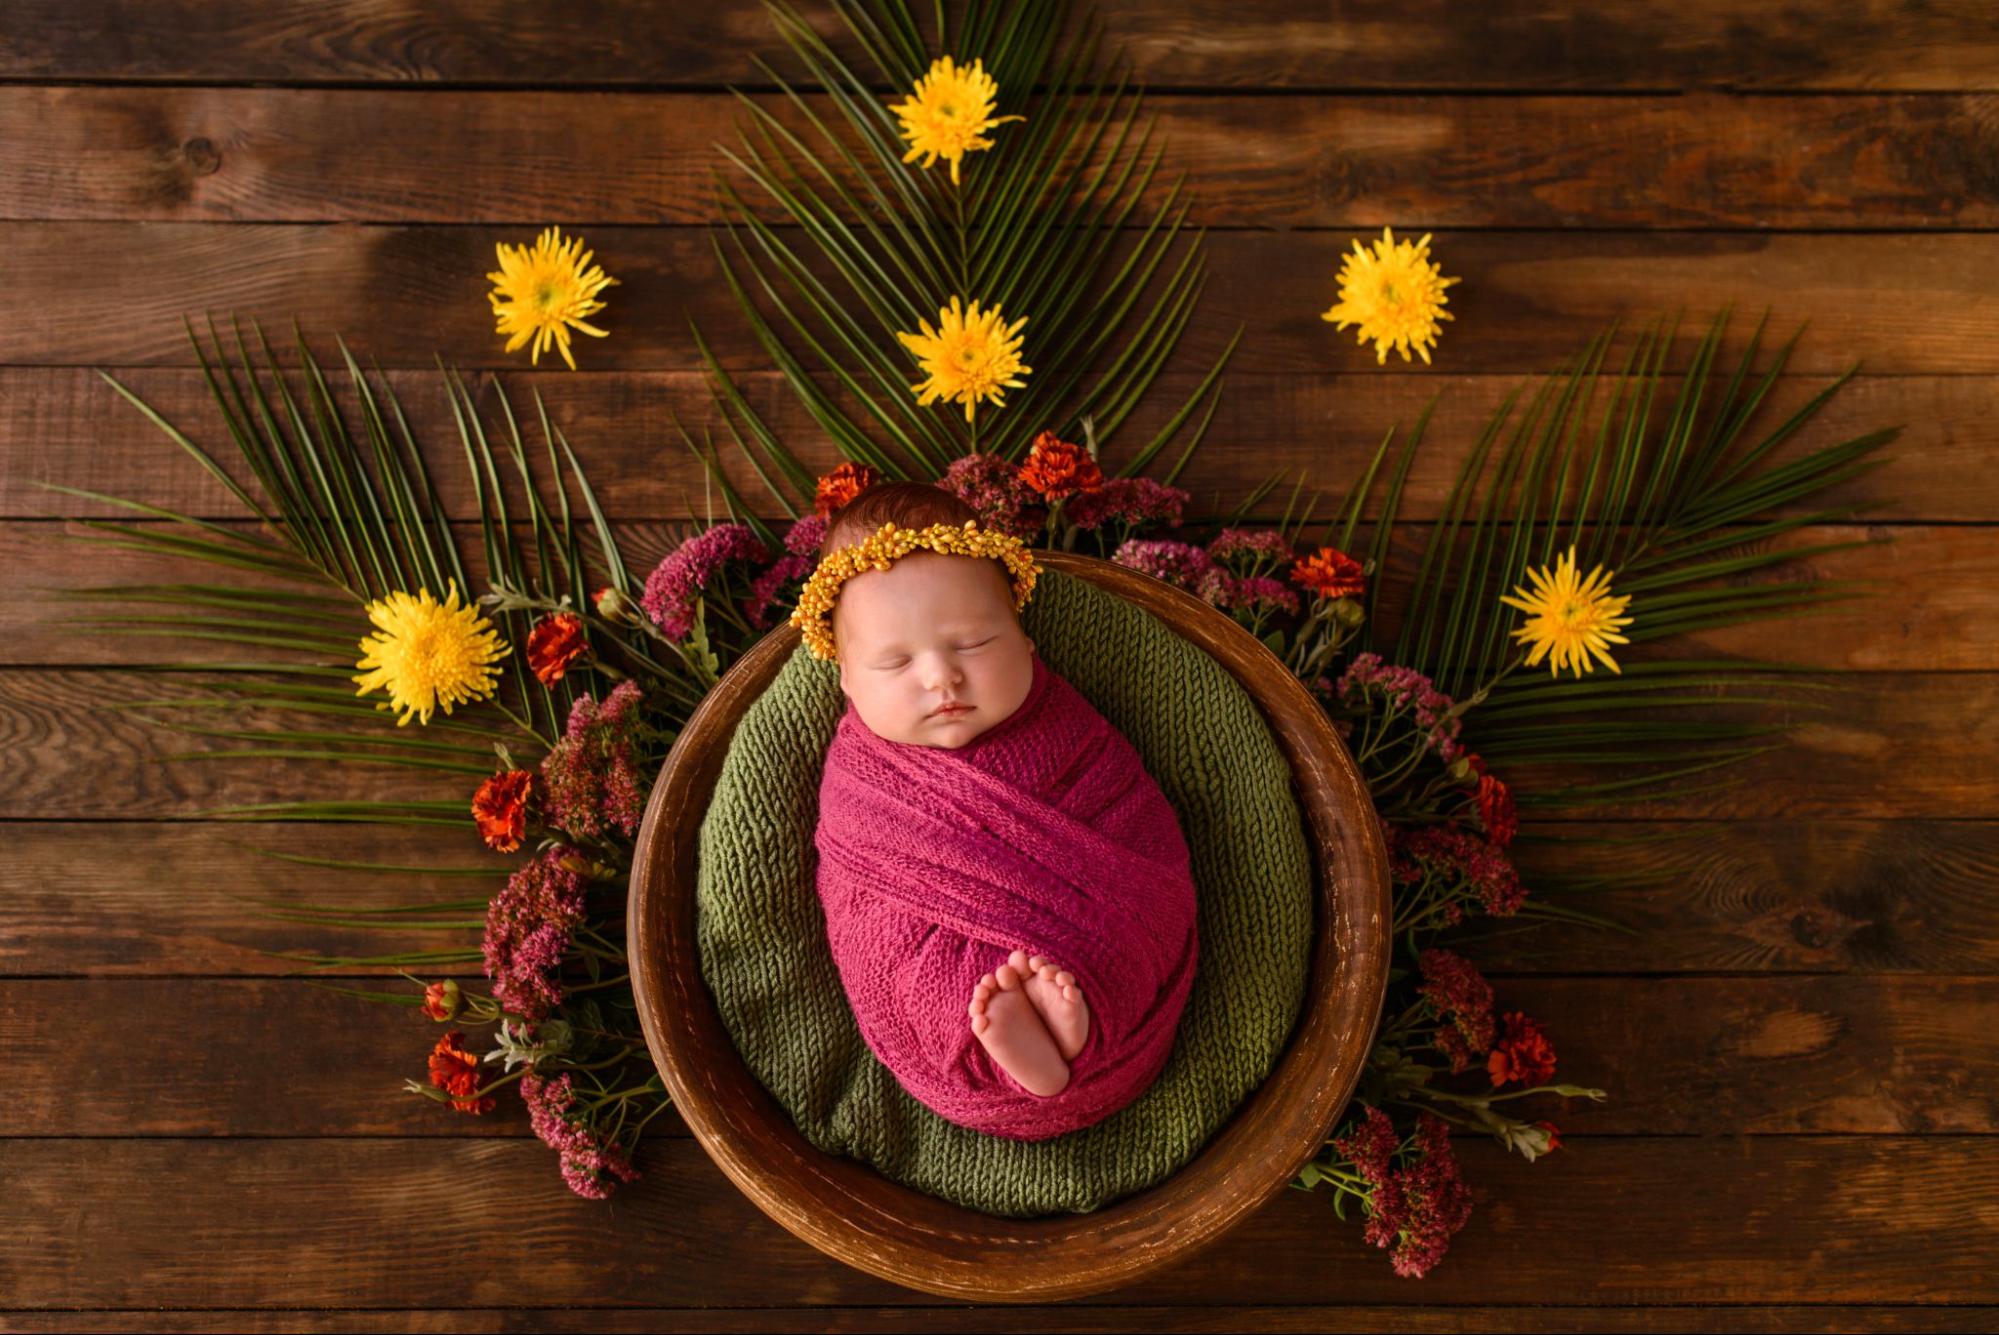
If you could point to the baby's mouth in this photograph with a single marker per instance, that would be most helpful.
(951, 710)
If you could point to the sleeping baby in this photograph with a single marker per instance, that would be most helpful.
(1007, 892)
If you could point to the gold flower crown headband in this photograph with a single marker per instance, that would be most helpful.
(888, 544)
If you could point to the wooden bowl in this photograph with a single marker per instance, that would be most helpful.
(849, 1211)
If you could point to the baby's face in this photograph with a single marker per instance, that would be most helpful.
(932, 628)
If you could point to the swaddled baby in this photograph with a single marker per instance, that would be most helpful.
(1007, 892)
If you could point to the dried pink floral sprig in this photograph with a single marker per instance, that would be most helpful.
(993, 487)
(1178, 563)
(806, 535)
(770, 583)
(1133, 502)
(1258, 595)
(772, 591)
(1412, 1191)
(1409, 697)
(1441, 871)
(593, 781)
(1250, 551)
(592, 1164)
(1460, 1001)
(528, 930)
(674, 589)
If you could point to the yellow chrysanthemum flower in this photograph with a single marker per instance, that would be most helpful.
(970, 356)
(428, 653)
(1569, 619)
(1395, 294)
(949, 112)
(545, 291)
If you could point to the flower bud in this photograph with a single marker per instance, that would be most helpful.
(1348, 612)
(613, 605)
(442, 1000)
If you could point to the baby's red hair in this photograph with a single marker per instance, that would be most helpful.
(912, 505)
(909, 504)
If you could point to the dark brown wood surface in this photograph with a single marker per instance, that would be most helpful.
(1799, 1039)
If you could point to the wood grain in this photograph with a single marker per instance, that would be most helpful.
(1917, 162)
(1261, 44)
(115, 293)
(1932, 598)
(61, 755)
(188, 899)
(1796, 1035)
(400, 1223)
(1811, 895)
(1901, 896)
(1864, 1055)
(1068, 1317)
(66, 425)
(62, 758)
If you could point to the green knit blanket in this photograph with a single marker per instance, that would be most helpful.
(762, 935)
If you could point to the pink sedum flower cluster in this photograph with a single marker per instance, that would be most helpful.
(993, 487)
(591, 1166)
(1414, 1205)
(1127, 500)
(1462, 1000)
(528, 929)
(591, 781)
(1180, 564)
(674, 588)
(1407, 690)
(1459, 857)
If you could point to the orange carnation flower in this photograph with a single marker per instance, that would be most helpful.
(501, 808)
(456, 1072)
(1523, 1053)
(1056, 468)
(1330, 573)
(556, 641)
(842, 485)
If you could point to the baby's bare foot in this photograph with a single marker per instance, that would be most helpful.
(1007, 1023)
(1058, 997)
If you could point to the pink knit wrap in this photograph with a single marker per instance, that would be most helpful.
(1045, 834)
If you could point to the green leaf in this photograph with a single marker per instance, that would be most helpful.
(1051, 223)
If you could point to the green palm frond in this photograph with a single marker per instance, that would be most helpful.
(1052, 223)
(1652, 501)
(1676, 498)
(348, 516)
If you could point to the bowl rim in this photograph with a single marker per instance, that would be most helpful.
(851, 1212)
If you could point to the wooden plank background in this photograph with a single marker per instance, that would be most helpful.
(1799, 1041)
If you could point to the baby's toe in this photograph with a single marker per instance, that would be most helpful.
(1018, 959)
(1007, 976)
(981, 1022)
